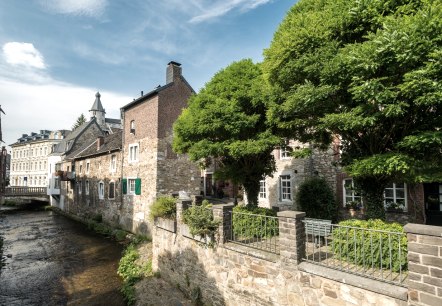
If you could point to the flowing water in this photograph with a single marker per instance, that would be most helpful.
(50, 260)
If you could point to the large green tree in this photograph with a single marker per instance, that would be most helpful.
(79, 122)
(369, 72)
(226, 121)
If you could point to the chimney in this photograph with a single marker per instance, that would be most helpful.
(100, 142)
(173, 72)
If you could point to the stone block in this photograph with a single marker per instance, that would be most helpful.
(431, 261)
(430, 300)
(423, 248)
(432, 281)
(431, 240)
(415, 277)
(414, 257)
(412, 267)
(421, 287)
(330, 293)
(413, 295)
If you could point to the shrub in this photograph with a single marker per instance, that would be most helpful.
(246, 225)
(371, 248)
(164, 207)
(200, 219)
(316, 199)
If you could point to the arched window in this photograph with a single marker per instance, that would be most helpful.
(132, 127)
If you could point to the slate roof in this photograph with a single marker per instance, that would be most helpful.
(66, 144)
(114, 121)
(112, 142)
(97, 106)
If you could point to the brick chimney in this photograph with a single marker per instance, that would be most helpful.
(173, 72)
(100, 142)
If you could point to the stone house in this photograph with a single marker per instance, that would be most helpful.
(150, 167)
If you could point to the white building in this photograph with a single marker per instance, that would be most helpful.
(29, 157)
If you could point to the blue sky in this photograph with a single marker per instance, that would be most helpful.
(55, 54)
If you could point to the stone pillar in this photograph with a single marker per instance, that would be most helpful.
(291, 238)
(223, 213)
(181, 205)
(424, 264)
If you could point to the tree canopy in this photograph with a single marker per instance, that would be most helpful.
(80, 120)
(368, 72)
(226, 121)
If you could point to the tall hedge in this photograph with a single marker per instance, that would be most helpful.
(316, 199)
(251, 222)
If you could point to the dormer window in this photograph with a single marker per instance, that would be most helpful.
(132, 127)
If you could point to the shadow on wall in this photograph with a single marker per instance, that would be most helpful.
(203, 284)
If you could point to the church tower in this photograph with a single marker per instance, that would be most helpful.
(97, 110)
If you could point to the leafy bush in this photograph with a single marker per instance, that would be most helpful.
(164, 207)
(246, 225)
(371, 248)
(316, 199)
(200, 219)
(131, 272)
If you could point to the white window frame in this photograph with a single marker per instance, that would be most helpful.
(353, 196)
(284, 152)
(285, 182)
(113, 163)
(262, 189)
(101, 190)
(131, 185)
(395, 197)
(134, 152)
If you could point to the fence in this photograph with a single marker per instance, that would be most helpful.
(254, 231)
(376, 254)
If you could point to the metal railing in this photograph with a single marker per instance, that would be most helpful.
(23, 191)
(376, 254)
(254, 231)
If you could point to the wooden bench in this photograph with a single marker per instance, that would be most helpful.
(318, 228)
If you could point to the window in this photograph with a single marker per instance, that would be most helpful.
(133, 152)
(41, 151)
(111, 190)
(81, 169)
(395, 193)
(284, 152)
(113, 164)
(79, 187)
(101, 190)
(86, 188)
(46, 150)
(132, 186)
(350, 194)
(132, 127)
(88, 165)
(262, 189)
(285, 188)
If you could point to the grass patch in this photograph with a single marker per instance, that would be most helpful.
(10, 203)
(130, 271)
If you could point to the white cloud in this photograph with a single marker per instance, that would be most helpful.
(220, 8)
(90, 8)
(20, 53)
(33, 107)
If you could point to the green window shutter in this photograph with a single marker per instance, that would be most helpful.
(138, 186)
(124, 186)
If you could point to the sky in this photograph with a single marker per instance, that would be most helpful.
(56, 54)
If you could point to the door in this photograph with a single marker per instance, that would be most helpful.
(208, 184)
(433, 203)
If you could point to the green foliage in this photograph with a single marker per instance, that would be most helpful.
(100, 228)
(119, 235)
(164, 207)
(250, 222)
(131, 272)
(10, 203)
(316, 199)
(200, 219)
(370, 72)
(97, 218)
(371, 248)
(226, 120)
(80, 120)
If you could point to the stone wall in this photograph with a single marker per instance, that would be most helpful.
(425, 264)
(230, 274)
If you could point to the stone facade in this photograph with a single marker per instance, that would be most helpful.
(297, 170)
(147, 149)
(229, 274)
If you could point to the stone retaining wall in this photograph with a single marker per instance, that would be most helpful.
(230, 274)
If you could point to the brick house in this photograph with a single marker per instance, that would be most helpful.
(150, 167)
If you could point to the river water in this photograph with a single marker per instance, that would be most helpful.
(51, 260)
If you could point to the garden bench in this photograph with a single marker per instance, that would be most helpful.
(319, 228)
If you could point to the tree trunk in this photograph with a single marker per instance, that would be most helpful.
(372, 189)
(252, 191)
